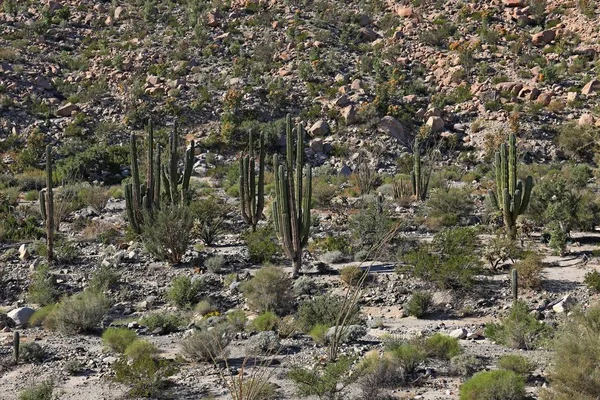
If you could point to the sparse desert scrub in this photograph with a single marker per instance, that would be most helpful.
(167, 235)
(493, 385)
(80, 312)
(269, 290)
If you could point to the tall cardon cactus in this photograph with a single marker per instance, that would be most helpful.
(512, 195)
(252, 196)
(419, 176)
(171, 175)
(47, 205)
(293, 191)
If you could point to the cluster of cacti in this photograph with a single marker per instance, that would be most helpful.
(46, 199)
(252, 196)
(142, 198)
(291, 208)
(512, 196)
(419, 176)
(514, 283)
(171, 175)
(401, 190)
(16, 346)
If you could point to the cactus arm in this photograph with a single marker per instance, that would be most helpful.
(187, 171)
(243, 197)
(16, 346)
(512, 164)
(150, 167)
(526, 194)
(516, 205)
(135, 174)
(493, 199)
(157, 178)
(261, 179)
(514, 284)
(306, 206)
(42, 201)
(49, 205)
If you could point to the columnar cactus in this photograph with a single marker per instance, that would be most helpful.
(16, 346)
(514, 284)
(252, 197)
(364, 176)
(512, 195)
(420, 175)
(47, 205)
(291, 208)
(171, 175)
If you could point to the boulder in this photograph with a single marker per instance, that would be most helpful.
(565, 304)
(405, 12)
(543, 38)
(119, 13)
(394, 128)
(460, 333)
(529, 93)
(586, 120)
(349, 114)
(591, 87)
(544, 98)
(435, 124)
(66, 110)
(23, 252)
(513, 3)
(319, 128)
(21, 315)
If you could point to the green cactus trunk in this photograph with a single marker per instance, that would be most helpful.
(171, 175)
(49, 205)
(514, 281)
(512, 195)
(419, 176)
(291, 208)
(252, 197)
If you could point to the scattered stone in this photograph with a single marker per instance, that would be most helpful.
(591, 87)
(460, 333)
(435, 124)
(319, 128)
(21, 315)
(67, 110)
(394, 128)
(23, 252)
(565, 304)
(544, 37)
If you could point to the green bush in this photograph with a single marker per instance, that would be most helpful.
(207, 213)
(451, 260)
(324, 310)
(530, 270)
(267, 321)
(117, 339)
(447, 207)
(465, 364)
(574, 372)
(184, 291)
(579, 142)
(168, 322)
(40, 391)
(104, 278)
(32, 352)
(517, 364)
(269, 290)
(442, 347)
(207, 344)
(262, 245)
(205, 307)
(167, 235)
(143, 370)
(592, 280)
(93, 161)
(81, 312)
(214, 264)
(409, 356)
(43, 290)
(419, 304)
(319, 333)
(519, 329)
(327, 381)
(369, 226)
(493, 385)
(352, 275)
(40, 315)
(379, 372)
(237, 319)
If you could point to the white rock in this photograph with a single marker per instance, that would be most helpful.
(21, 315)
(460, 333)
(565, 304)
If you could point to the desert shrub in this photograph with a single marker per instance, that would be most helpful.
(499, 249)
(332, 257)
(442, 346)
(333, 243)
(73, 367)
(322, 192)
(592, 280)
(579, 141)
(378, 372)
(167, 234)
(574, 374)
(162, 320)
(104, 278)
(262, 245)
(447, 207)
(32, 352)
(465, 364)
(215, 264)
(269, 290)
(304, 285)
(237, 319)
(143, 370)
(517, 364)
(419, 304)
(40, 391)
(318, 333)
(530, 270)
(493, 385)
(409, 355)
(369, 226)
(451, 260)
(81, 312)
(42, 290)
(327, 381)
(267, 321)
(207, 344)
(118, 339)
(205, 307)
(94, 196)
(263, 343)
(352, 275)
(40, 315)
(208, 215)
(324, 310)
(519, 329)
(184, 291)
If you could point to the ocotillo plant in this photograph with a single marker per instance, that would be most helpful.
(514, 284)
(47, 205)
(420, 175)
(171, 175)
(252, 197)
(16, 345)
(512, 195)
(291, 208)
